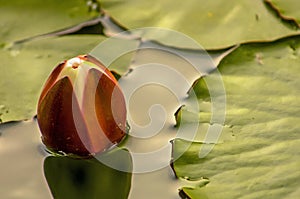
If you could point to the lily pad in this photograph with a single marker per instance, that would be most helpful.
(213, 24)
(24, 69)
(23, 19)
(263, 114)
(288, 9)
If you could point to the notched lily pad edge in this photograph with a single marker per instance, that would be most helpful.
(199, 183)
(183, 194)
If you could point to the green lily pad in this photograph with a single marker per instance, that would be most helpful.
(25, 68)
(263, 115)
(88, 178)
(247, 170)
(288, 9)
(23, 19)
(213, 24)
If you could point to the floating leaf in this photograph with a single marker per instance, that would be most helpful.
(287, 9)
(213, 24)
(262, 90)
(24, 69)
(23, 19)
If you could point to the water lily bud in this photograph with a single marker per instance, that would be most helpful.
(81, 109)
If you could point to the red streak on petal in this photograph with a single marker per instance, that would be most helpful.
(56, 120)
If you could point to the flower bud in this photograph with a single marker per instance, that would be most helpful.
(81, 109)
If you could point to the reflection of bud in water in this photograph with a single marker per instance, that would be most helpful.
(81, 109)
(72, 178)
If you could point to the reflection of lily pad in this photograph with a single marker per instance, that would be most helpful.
(87, 178)
(214, 24)
(288, 9)
(263, 113)
(21, 19)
